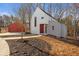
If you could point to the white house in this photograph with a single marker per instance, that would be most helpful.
(44, 23)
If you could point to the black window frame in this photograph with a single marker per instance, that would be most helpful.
(35, 21)
(42, 17)
(52, 27)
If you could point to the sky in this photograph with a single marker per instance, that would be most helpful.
(9, 8)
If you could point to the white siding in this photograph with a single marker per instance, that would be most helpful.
(38, 13)
(56, 31)
(63, 30)
(60, 30)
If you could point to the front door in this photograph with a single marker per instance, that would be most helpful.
(41, 28)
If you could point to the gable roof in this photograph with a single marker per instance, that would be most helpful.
(47, 13)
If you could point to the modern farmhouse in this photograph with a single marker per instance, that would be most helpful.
(43, 23)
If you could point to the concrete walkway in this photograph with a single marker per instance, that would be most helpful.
(19, 37)
(15, 34)
(4, 34)
(4, 48)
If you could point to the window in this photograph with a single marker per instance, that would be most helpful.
(52, 27)
(35, 20)
(42, 17)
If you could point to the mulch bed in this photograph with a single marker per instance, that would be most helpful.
(22, 48)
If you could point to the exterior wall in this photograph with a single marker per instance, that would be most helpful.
(63, 31)
(38, 13)
(57, 29)
(60, 30)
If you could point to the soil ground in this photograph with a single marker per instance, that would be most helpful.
(44, 46)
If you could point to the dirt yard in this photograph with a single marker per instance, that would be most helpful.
(44, 46)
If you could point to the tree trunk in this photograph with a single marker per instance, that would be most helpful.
(29, 18)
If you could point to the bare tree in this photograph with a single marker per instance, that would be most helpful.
(50, 8)
(76, 8)
(21, 12)
(39, 5)
(76, 5)
(73, 11)
(57, 10)
(29, 12)
(44, 4)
